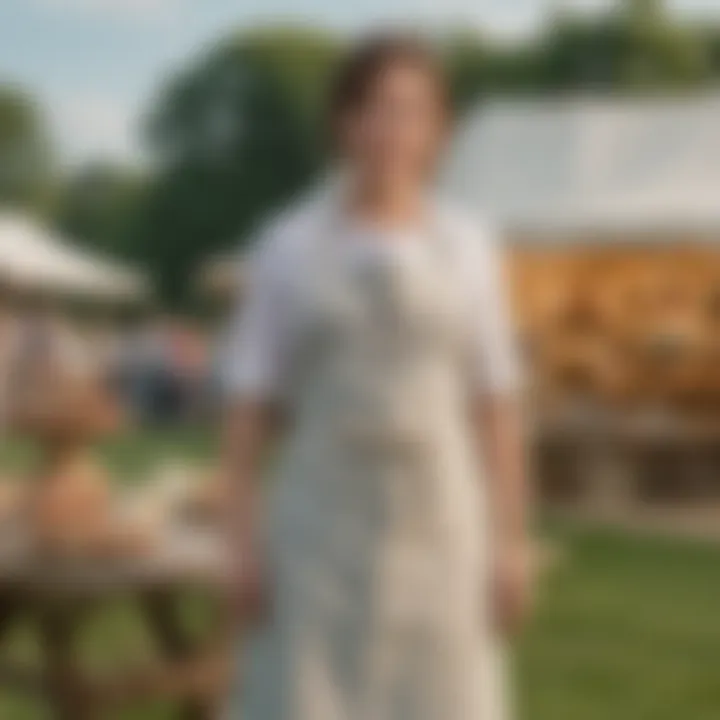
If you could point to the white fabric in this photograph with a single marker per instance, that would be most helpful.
(592, 164)
(32, 256)
(378, 549)
(259, 348)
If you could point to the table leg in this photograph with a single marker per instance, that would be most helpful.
(10, 607)
(161, 611)
(610, 479)
(58, 624)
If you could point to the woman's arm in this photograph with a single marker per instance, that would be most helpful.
(501, 438)
(501, 434)
(249, 429)
(255, 359)
(500, 428)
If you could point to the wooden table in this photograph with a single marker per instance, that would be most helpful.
(610, 464)
(59, 598)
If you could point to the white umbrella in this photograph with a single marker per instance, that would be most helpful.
(33, 257)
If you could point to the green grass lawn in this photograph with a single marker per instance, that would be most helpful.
(130, 456)
(627, 628)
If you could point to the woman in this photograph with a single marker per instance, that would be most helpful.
(375, 328)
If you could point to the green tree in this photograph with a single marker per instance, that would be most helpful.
(711, 38)
(469, 64)
(478, 66)
(25, 157)
(637, 45)
(99, 206)
(231, 138)
(660, 50)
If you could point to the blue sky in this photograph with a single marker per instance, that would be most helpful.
(95, 64)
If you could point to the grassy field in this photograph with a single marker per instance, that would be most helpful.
(130, 456)
(627, 628)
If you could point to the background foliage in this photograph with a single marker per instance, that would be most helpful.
(239, 130)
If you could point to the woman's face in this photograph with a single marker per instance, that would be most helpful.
(394, 137)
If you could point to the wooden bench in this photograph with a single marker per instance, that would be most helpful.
(59, 597)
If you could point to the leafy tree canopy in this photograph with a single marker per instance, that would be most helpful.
(25, 157)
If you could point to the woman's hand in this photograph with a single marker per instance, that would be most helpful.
(512, 587)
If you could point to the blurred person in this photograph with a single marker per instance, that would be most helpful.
(147, 370)
(374, 346)
(189, 361)
(109, 342)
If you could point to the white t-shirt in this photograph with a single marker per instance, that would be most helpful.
(260, 340)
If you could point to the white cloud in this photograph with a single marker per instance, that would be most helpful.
(95, 126)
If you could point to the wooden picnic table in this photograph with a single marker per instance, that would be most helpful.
(611, 463)
(60, 596)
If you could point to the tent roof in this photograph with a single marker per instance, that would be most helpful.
(589, 164)
(34, 257)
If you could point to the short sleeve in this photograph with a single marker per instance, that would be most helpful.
(255, 348)
(497, 367)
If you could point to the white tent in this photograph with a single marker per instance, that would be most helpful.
(593, 165)
(33, 257)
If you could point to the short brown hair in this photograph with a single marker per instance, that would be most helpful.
(372, 57)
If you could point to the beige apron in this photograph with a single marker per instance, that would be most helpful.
(378, 535)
